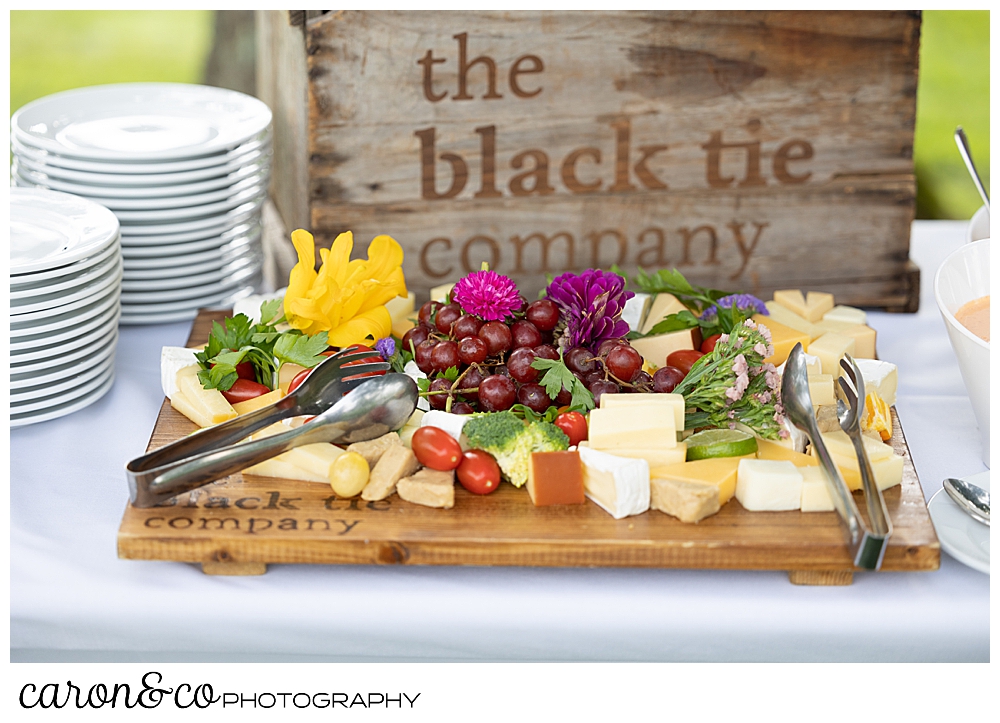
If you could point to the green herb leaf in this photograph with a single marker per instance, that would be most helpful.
(296, 348)
(269, 310)
(451, 374)
(582, 398)
(424, 385)
(221, 377)
(557, 377)
(674, 322)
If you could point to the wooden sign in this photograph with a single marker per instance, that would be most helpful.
(241, 523)
(751, 150)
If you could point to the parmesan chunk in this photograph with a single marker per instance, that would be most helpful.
(429, 488)
(395, 463)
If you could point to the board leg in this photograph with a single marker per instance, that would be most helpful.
(820, 577)
(233, 568)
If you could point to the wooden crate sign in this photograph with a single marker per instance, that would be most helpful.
(751, 150)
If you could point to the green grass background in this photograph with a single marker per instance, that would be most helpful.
(57, 50)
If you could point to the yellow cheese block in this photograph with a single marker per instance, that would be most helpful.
(784, 315)
(621, 428)
(815, 492)
(846, 313)
(663, 306)
(315, 458)
(888, 472)
(830, 348)
(811, 307)
(864, 336)
(401, 310)
(821, 390)
(280, 467)
(286, 374)
(769, 449)
(656, 349)
(181, 403)
(252, 405)
(674, 401)
(839, 443)
(209, 402)
(783, 338)
(440, 293)
(719, 472)
(399, 328)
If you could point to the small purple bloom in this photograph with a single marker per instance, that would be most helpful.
(386, 347)
(744, 302)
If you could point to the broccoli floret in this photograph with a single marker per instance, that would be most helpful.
(511, 441)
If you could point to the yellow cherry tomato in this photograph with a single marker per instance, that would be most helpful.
(349, 474)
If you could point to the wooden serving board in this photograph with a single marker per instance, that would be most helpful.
(241, 523)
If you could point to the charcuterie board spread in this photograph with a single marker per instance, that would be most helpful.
(570, 444)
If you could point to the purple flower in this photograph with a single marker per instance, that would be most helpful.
(386, 347)
(488, 295)
(744, 302)
(590, 306)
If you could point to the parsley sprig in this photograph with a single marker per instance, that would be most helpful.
(239, 340)
(558, 377)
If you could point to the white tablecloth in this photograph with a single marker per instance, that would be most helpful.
(71, 598)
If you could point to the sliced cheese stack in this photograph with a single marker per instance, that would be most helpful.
(642, 426)
(887, 466)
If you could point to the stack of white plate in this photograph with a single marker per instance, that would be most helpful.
(65, 284)
(185, 169)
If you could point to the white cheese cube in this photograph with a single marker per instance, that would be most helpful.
(413, 372)
(172, 360)
(830, 348)
(635, 310)
(674, 401)
(881, 377)
(821, 390)
(768, 485)
(846, 314)
(451, 423)
(815, 492)
(621, 427)
(617, 484)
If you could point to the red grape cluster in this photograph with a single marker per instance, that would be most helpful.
(494, 360)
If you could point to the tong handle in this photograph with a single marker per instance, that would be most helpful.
(878, 514)
(150, 487)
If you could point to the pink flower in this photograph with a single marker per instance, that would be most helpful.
(760, 349)
(739, 365)
(772, 377)
(764, 332)
(784, 434)
(487, 294)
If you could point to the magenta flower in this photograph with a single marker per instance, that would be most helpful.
(487, 294)
(590, 306)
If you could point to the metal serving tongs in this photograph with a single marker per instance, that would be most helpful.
(867, 545)
(375, 406)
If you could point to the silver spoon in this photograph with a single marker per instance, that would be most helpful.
(974, 500)
(963, 148)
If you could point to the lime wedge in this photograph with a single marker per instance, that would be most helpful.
(720, 443)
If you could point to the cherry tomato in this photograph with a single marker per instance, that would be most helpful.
(244, 389)
(478, 472)
(709, 344)
(435, 448)
(574, 425)
(297, 380)
(684, 359)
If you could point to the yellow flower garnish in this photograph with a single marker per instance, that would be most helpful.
(344, 298)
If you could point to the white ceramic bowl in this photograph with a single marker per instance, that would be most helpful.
(964, 276)
(979, 226)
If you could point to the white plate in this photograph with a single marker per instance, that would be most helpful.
(62, 409)
(176, 243)
(187, 274)
(25, 380)
(215, 224)
(183, 314)
(110, 196)
(206, 210)
(188, 292)
(217, 255)
(70, 352)
(59, 273)
(41, 346)
(67, 164)
(82, 388)
(62, 285)
(142, 184)
(135, 122)
(168, 282)
(189, 204)
(67, 320)
(50, 229)
(961, 536)
(41, 307)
